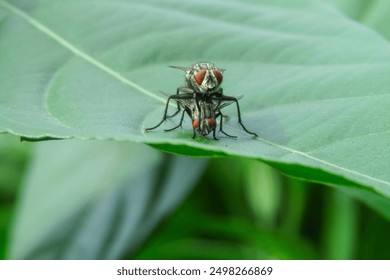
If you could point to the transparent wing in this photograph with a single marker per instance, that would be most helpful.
(185, 103)
(223, 104)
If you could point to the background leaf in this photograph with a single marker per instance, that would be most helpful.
(356, 9)
(371, 13)
(96, 200)
(340, 227)
(13, 160)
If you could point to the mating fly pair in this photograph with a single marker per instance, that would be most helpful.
(202, 99)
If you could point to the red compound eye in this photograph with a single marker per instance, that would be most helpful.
(211, 122)
(200, 76)
(195, 123)
(218, 75)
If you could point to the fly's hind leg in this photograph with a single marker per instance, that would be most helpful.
(230, 98)
(215, 137)
(219, 114)
(179, 125)
(165, 116)
(178, 90)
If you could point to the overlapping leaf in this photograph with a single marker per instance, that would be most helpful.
(96, 200)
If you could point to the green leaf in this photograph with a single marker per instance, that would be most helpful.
(356, 9)
(375, 201)
(208, 237)
(96, 200)
(340, 227)
(263, 190)
(374, 14)
(315, 83)
(13, 159)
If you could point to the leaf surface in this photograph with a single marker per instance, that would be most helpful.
(315, 83)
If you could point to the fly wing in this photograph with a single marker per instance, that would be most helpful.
(224, 104)
(185, 103)
(185, 69)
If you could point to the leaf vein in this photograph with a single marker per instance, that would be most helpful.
(73, 49)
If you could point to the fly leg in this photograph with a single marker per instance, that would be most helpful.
(179, 125)
(230, 98)
(219, 114)
(184, 90)
(215, 128)
(165, 116)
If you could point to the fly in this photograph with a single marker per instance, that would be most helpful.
(202, 99)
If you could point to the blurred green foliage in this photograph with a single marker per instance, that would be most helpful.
(13, 159)
(224, 219)
(240, 209)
